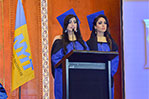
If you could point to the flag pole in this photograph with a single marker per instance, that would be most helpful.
(20, 92)
(20, 86)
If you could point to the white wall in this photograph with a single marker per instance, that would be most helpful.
(136, 76)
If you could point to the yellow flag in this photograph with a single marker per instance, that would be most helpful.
(22, 67)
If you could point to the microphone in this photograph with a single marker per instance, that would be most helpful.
(73, 30)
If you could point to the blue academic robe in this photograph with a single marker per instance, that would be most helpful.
(55, 58)
(3, 94)
(114, 62)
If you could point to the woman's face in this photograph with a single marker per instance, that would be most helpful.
(72, 25)
(101, 25)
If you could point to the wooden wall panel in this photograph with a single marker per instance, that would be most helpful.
(83, 8)
(33, 88)
(5, 51)
(1, 41)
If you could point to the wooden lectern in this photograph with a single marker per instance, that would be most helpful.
(86, 74)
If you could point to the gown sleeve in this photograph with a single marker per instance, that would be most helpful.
(3, 94)
(56, 54)
(114, 65)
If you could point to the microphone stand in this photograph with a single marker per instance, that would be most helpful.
(73, 42)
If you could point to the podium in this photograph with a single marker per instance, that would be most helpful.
(86, 74)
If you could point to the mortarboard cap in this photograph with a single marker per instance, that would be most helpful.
(91, 18)
(62, 16)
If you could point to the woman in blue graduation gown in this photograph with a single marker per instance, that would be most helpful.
(101, 40)
(3, 94)
(69, 40)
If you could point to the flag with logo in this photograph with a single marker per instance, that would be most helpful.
(22, 66)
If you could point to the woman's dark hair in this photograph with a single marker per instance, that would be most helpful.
(65, 33)
(110, 41)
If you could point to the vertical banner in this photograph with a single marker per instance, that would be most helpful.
(22, 66)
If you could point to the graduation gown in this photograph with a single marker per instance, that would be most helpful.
(114, 62)
(56, 56)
